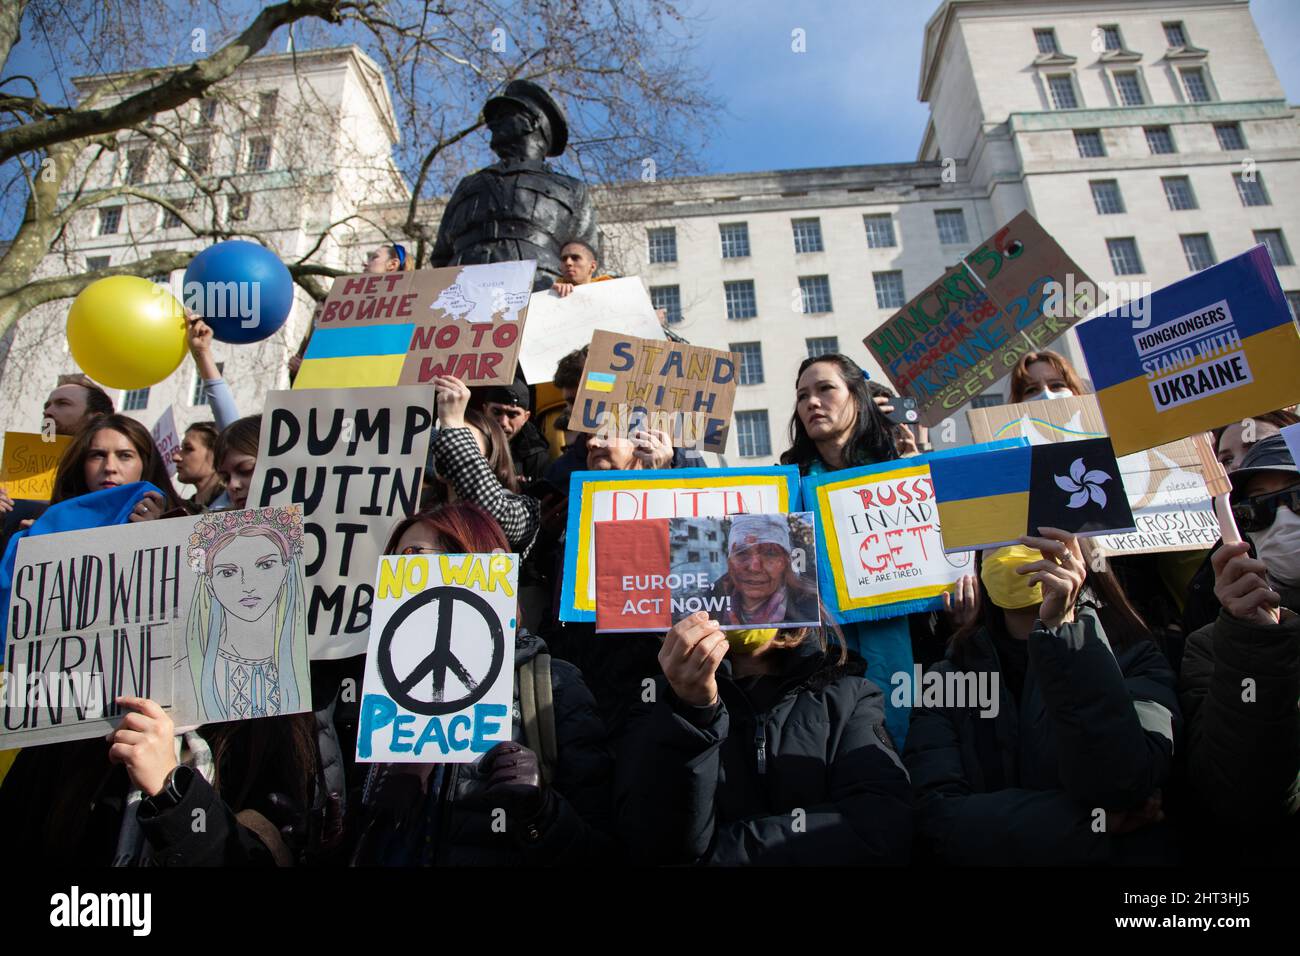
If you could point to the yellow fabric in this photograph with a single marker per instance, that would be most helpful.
(749, 640)
(1006, 588)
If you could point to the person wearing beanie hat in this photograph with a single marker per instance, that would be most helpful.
(1240, 679)
(511, 406)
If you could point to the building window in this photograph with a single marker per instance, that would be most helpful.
(823, 345)
(266, 103)
(137, 165)
(951, 225)
(752, 435)
(741, 302)
(135, 400)
(1178, 192)
(170, 220)
(1229, 135)
(199, 393)
(815, 294)
(1089, 143)
(889, 290)
(259, 154)
(1106, 197)
(880, 231)
(807, 235)
(110, 217)
(200, 157)
(751, 362)
(663, 244)
(668, 298)
(735, 240)
(1159, 139)
(1046, 40)
(1175, 35)
(1276, 244)
(1199, 252)
(1062, 89)
(1124, 257)
(1293, 300)
(207, 110)
(237, 208)
(1198, 90)
(1130, 88)
(1110, 38)
(1251, 190)
(96, 262)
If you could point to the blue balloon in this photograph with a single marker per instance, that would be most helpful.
(242, 290)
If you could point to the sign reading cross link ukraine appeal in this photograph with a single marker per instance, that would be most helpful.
(1220, 346)
(1015, 293)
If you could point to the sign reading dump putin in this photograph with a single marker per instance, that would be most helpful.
(632, 384)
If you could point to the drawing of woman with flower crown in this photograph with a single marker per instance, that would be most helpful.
(246, 635)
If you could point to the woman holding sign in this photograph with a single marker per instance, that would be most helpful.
(763, 747)
(112, 451)
(1045, 738)
(837, 424)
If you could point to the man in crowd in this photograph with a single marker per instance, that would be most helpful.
(578, 264)
(512, 409)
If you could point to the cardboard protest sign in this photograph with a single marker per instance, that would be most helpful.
(630, 384)
(1217, 347)
(989, 498)
(165, 437)
(557, 326)
(879, 549)
(354, 459)
(1016, 292)
(440, 665)
(203, 615)
(1165, 486)
(747, 571)
(30, 463)
(405, 328)
(671, 493)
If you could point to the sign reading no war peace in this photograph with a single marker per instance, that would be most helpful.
(439, 677)
(1220, 347)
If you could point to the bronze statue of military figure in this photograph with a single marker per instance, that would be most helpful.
(518, 208)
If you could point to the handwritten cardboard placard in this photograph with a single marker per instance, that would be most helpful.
(671, 493)
(630, 384)
(1165, 485)
(165, 437)
(1016, 292)
(203, 615)
(559, 325)
(30, 463)
(879, 544)
(747, 571)
(440, 664)
(405, 328)
(1217, 347)
(354, 459)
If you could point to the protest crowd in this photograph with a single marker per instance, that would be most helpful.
(1039, 702)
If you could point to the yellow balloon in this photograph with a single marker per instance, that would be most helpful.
(127, 332)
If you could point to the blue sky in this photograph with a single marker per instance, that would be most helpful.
(851, 98)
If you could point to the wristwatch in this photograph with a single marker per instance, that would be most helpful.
(173, 790)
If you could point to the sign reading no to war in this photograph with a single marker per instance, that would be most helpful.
(439, 678)
(1013, 294)
(405, 328)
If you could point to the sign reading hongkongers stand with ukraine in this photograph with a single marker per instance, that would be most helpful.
(1220, 347)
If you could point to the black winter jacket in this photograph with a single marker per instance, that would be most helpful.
(531, 453)
(403, 827)
(1092, 731)
(809, 777)
(1243, 739)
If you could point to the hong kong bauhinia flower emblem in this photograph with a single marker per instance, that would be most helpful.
(1083, 484)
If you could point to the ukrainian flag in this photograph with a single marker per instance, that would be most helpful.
(600, 381)
(983, 497)
(355, 357)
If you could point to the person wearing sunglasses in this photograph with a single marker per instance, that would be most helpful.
(1240, 679)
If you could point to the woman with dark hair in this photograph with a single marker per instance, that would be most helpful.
(838, 424)
(1043, 376)
(1054, 732)
(556, 805)
(111, 451)
(194, 466)
(760, 746)
(235, 456)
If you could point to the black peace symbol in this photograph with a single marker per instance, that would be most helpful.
(441, 659)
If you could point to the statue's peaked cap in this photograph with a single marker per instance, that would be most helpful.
(532, 97)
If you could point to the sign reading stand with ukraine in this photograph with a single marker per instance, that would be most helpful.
(1220, 347)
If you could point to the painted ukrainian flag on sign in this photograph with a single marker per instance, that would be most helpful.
(988, 499)
(600, 381)
(1214, 348)
(355, 357)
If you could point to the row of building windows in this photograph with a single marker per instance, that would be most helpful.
(110, 217)
(1109, 201)
(1160, 140)
(950, 224)
(256, 158)
(1129, 88)
(137, 399)
(1197, 249)
(751, 356)
(1111, 40)
(814, 296)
